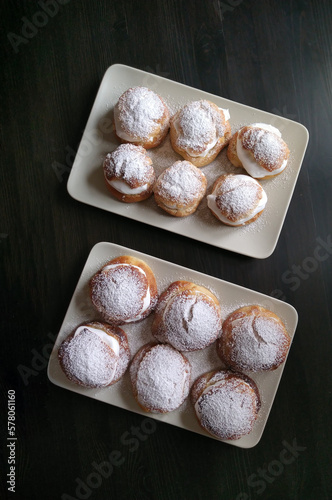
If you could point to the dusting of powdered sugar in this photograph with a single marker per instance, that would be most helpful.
(267, 148)
(190, 322)
(130, 163)
(182, 182)
(228, 408)
(139, 110)
(118, 293)
(162, 379)
(163, 156)
(238, 196)
(200, 123)
(139, 334)
(88, 359)
(257, 342)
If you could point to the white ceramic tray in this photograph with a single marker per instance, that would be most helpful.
(230, 296)
(86, 181)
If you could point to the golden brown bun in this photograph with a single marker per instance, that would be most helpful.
(180, 188)
(231, 151)
(141, 117)
(74, 352)
(187, 316)
(236, 199)
(226, 403)
(266, 148)
(118, 293)
(192, 141)
(253, 339)
(130, 166)
(160, 377)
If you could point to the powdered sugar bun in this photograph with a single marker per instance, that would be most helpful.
(259, 149)
(124, 290)
(128, 173)
(253, 339)
(236, 200)
(141, 117)
(160, 378)
(180, 188)
(226, 403)
(95, 355)
(187, 316)
(199, 131)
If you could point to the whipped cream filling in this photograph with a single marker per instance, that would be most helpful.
(123, 187)
(226, 113)
(110, 341)
(210, 145)
(211, 201)
(171, 207)
(118, 129)
(249, 162)
(147, 298)
(268, 127)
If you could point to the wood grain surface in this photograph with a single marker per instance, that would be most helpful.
(272, 55)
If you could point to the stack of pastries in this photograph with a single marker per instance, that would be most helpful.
(186, 316)
(198, 131)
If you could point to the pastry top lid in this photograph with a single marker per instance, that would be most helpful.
(86, 358)
(258, 338)
(228, 407)
(181, 183)
(119, 291)
(191, 320)
(162, 378)
(139, 111)
(199, 123)
(237, 196)
(268, 148)
(129, 163)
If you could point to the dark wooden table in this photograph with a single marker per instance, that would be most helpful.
(272, 55)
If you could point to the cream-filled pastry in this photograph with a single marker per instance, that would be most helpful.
(180, 188)
(236, 200)
(259, 149)
(128, 173)
(160, 377)
(95, 355)
(141, 117)
(226, 403)
(253, 339)
(199, 131)
(124, 290)
(187, 316)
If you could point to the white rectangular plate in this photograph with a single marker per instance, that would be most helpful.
(86, 181)
(230, 296)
